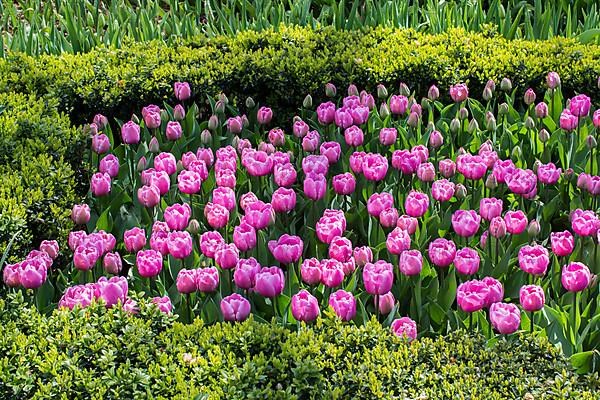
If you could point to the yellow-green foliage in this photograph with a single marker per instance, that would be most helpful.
(38, 148)
(281, 67)
(108, 354)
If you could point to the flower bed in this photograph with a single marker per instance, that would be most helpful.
(438, 216)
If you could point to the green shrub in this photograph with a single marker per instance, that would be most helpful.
(282, 67)
(38, 151)
(108, 354)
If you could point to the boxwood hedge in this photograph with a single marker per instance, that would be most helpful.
(108, 354)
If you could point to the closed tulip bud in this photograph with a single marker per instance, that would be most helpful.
(413, 120)
(91, 129)
(463, 113)
(153, 146)
(590, 142)
(433, 93)
(220, 107)
(541, 110)
(330, 90)
(245, 121)
(487, 94)
(206, 136)
(569, 174)
(533, 230)
(384, 110)
(473, 126)
(503, 109)
(352, 90)
(460, 191)
(307, 102)
(223, 97)
(517, 153)
(436, 139)
(164, 116)
(553, 80)
(382, 92)
(213, 122)
(529, 123)
(141, 165)
(454, 125)
(250, 102)
(179, 112)
(529, 97)
(490, 123)
(491, 182)
(506, 85)
(544, 135)
(404, 90)
(193, 227)
(135, 119)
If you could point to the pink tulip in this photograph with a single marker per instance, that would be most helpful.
(283, 200)
(343, 117)
(426, 172)
(264, 115)
(11, 274)
(315, 186)
(100, 143)
(310, 270)
(109, 165)
(32, 274)
(148, 196)
(490, 208)
(378, 277)
(472, 167)
(584, 223)
(163, 304)
(340, 249)
(177, 216)
(459, 92)
(568, 121)
(363, 255)
(344, 184)
(80, 214)
(311, 141)
(210, 242)
(149, 263)
(112, 263)
(179, 244)
(287, 249)
(562, 243)
(173, 130)
(134, 239)
(244, 236)
(466, 261)
(406, 161)
(472, 295)
(516, 222)
(442, 252)
(580, 105)
(234, 125)
(405, 328)
(343, 304)
(505, 317)
(269, 282)
(532, 298)
(276, 137)
(398, 104)
(112, 291)
(332, 272)
(160, 179)
(576, 277)
(130, 133)
(408, 223)
(398, 241)
(235, 308)
(101, 121)
(257, 162)
(388, 136)
(207, 279)
(534, 259)
(300, 129)
(465, 222)
(416, 204)
(548, 174)
(553, 80)
(521, 181)
(354, 136)
(100, 184)
(245, 272)
(165, 162)
(379, 202)
(182, 91)
(411, 262)
(388, 218)
(216, 215)
(447, 168)
(189, 182)
(284, 175)
(436, 139)
(385, 303)
(331, 150)
(596, 119)
(259, 215)
(374, 167)
(497, 227)
(442, 190)
(78, 295)
(49, 247)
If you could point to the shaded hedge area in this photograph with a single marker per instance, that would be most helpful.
(281, 67)
(108, 354)
(40, 159)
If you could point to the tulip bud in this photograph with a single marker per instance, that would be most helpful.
(541, 110)
(553, 80)
(461, 151)
(153, 146)
(503, 109)
(223, 98)
(505, 85)
(529, 123)
(463, 114)
(213, 122)
(436, 139)
(568, 174)
(179, 112)
(179, 166)
(487, 94)
(425, 104)
(352, 90)
(413, 119)
(307, 102)
(141, 165)
(473, 126)
(382, 92)
(91, 129)
(533, 229)
(490, 84)
(135, 119)
(490, 124)
(384, 110)
(590, 142)
(205, 136)
(536, 165)
(454, 125)
(529, 96)
(193, 227)
(164, 115)
(250, 102)
(220, 107)
(433, 93)
(330, 90)
(235, 141)
(245, 121)
(491, 182)
(544, 135)
(460, 191)
(516, 152)
(404, 90)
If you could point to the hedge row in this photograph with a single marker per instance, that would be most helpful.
(39, 152)
(100, 354)
(282, 67)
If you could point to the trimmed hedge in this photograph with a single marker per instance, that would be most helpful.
(108, 354)
(281, 67)
(39, 152)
